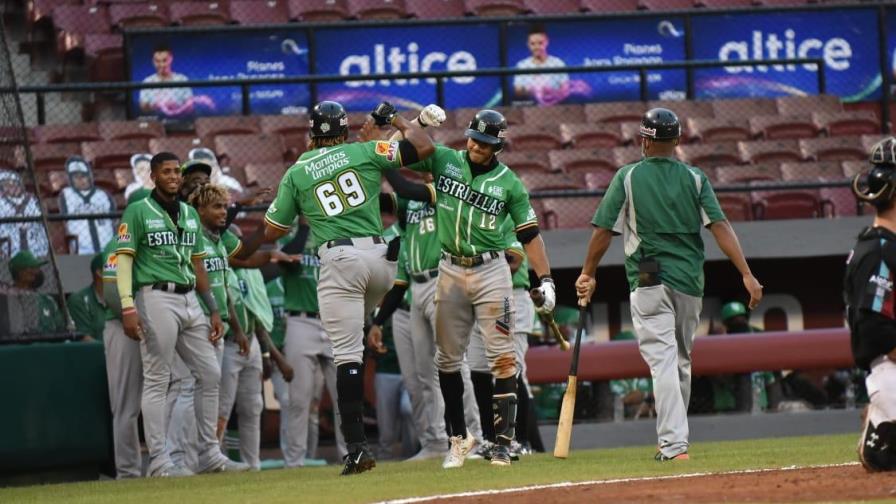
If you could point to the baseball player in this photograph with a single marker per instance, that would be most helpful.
(124, 369)
(871, 307)
(160, 251)
(475, 194)
(659, 204)
(336, 186)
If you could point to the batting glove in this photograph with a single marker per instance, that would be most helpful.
(550, 296)
(383, 114)
(431, 115)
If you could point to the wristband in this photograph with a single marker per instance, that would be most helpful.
(209, 301)
(128, 310)
(127, 302)
(546, 278)
(420, 122)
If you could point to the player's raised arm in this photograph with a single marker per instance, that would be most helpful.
(416, 146)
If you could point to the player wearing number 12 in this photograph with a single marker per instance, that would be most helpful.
(336, 186)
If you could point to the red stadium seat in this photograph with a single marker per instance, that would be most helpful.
(708, 155)
(743, 108)
(741, 174)
(725, 4)
(805, 105)
(534, 137)
(265, 174)
(237, 151)
(564, 113)
(436, 9)
(770, 151)
(626, 155)
(826, 170)
(665, 5)
(552, 6)
(839, 202)
(513, 115)
(125, 130)
(858, 122)
(609, 5)
(569, 212)
(785, 204)
(852, 168)
(63, 133)
(105, 57)
(615, 111)
(133, 15)
(736, 206)
(454, 139)
(710, 129)
(209, 127)
(590, 135)
(599, 179)
(74, 21)
(869, 141)
(318, 10)
(111, 154)
(780, 127)
(526, 161)
(579, 160)
(495, 7)
(377, 9)
(193, 13)
(42, 10)
(49, 156)
(549, 181)
(179, 146)
(833, 149)
(293, 129)
(249, 12)
(685, 109)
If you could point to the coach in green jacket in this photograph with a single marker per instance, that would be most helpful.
(86, 306)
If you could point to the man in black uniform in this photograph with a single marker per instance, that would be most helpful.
(871, 307)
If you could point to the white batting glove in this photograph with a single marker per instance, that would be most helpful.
(550, 296)
(431, 115)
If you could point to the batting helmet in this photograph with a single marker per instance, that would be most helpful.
(328, 119)
(660, 124)
(878, 184)
(489, 127)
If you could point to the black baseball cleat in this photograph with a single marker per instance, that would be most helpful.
(501, 455)
(358, 460)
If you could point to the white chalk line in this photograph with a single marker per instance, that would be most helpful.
(570, 484)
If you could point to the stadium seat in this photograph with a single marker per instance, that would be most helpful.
(526, 161)
(835, 201)
(869, 141)
(436, 9)
(840, 202)
(249, 12)
(514, 115)
(770, 151)
(40, 11)
(777, 127)
(125, 130)
(210, 127)
(631, 133)
(726, 4)
(852, 168)
(293, 129)
(826, 170)
(318, 10)
(589, 136)
(540, 7)
(599, 179)
(805, 105)
(609, 5)
(556, 113)
(569, 212)
(193, 13)
(665, 5)
(785, 204)
(743, 108)
(549, 181)
(111, 154)
(741, 174)
(105, 57)
(74, 21)
(833, 149)
(577, 160)
(534, 137)
(140, 14)
(237, 151)
(735, 206)
(48, 156)
(377, 9)
(52, 182)
(851, 123)
(179, 146)
(626, 155)
(495, 7)
(615, 111)
(685, 109)
(711, 129)
(454, 139)
(708, 155)
(64, 133)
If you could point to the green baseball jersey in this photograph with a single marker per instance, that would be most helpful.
(402, 275)
(218, 248)
(337, 189)
(300, 283)
(277, 297)
(255, 296)
(521, 275)
(88, 312)
(237, 291)
(660, 205)
(420, 238)
(50, 318)
(472, 209)
(162, 250)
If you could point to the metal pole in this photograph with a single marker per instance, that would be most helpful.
(886, 75)
(642, 83)
(822, 78)
(440, 91)
(244, 92)
(41, 109)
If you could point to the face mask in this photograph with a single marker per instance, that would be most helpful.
(38, 280)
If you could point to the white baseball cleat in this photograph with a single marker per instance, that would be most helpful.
(228, 466)
(172, 471)
(460, 448)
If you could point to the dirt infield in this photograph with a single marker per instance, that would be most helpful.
(791, 485)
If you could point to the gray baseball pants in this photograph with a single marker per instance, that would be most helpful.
(394, 416)
(665, 321)
(281, 392)
(124, 372)
(241, 383)
(524, 314)
(174, 324)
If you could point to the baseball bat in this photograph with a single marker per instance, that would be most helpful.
(564, 426)
(538, 299)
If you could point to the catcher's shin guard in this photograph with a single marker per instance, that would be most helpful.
(877, 446)
(504, 407)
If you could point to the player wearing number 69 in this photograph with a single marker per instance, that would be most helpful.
(336, 186)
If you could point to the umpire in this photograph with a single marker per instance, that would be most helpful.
(659, 204)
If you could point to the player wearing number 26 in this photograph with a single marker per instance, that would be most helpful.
(336, 186)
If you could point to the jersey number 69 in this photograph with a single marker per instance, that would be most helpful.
(333, 199)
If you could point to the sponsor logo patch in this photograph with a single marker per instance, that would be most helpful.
(123, 234)
(155, 224)
(389, 150)
(111, 263)
(648, 132)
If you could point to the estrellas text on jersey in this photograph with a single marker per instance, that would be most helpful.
(468, 195)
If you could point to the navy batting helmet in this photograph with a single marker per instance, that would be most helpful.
(660, 124)
(489, 127)
(328, 119)
(877, 185)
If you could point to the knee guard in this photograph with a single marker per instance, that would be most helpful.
(877, 446)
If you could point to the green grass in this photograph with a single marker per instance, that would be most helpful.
(394, 480)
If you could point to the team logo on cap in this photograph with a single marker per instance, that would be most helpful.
(649, 132)
(325, 127)
(481, 127)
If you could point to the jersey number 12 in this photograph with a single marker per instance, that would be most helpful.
(333, 199)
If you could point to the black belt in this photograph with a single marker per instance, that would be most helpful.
(307, 314)
(172, 287)
(470, 261)
(350, 241)
(425, 276)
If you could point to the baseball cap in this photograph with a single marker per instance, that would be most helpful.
(733, 309)
(76, 164)
(136, 158)
(195, 164)
(24, 260)
(202, 153)
(138, 195)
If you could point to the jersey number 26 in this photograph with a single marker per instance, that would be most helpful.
(333, 199)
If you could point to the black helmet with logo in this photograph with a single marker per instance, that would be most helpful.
(660, 124)
(878, 184)
(489, 127)
(328, 119)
